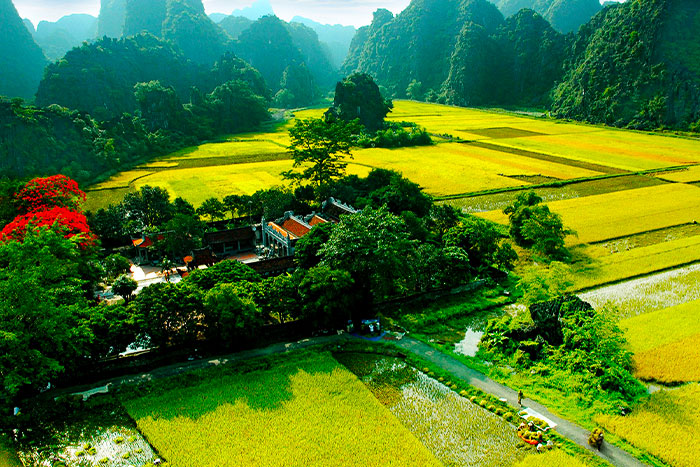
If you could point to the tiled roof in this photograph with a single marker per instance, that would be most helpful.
(295, 227)
(317, 220)
(281, 230)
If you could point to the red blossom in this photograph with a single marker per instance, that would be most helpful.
(42, 194)
(69, 222)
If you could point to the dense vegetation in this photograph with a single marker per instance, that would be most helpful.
(21, 60)
(564, 15)
(489, 60)
(634, 65)
(146, 119)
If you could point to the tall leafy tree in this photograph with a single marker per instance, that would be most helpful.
(318, 149)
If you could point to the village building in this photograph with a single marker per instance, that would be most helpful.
(279, 237)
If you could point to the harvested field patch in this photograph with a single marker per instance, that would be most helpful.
(499, 201)
(549, 158)
(121, 180)
(534, 179)
(650, 293)
(230, 149)
(649, 238)
(503, 132)
(667, 425)
(634, 263)
(311, 411)
(619, 214)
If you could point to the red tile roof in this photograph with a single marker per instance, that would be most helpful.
(295, 227)
(317, 220)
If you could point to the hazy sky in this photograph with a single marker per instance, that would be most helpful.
(355, 12)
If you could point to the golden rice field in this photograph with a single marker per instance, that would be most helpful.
(618, 214)
(599, 270)
(666, 343)
(308, 411)
(226, 167)
(667, 425)
(623, 149)
(689, 175)
(554, 458)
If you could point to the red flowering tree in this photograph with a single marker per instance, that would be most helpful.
(42, 194)
(70, 223)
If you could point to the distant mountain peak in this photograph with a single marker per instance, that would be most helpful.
(258, 9)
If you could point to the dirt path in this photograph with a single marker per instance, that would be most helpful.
(575, 433)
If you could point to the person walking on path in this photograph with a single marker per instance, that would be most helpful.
(520, 398)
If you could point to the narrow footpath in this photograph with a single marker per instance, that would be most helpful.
(575, 433)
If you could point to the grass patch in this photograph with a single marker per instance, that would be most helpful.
(667, 425)
(8, 456)
(309, 411)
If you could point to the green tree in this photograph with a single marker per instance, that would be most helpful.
(318, 149)
(184, 235)
(41, 295)
(125, 286)
(228, 316)
(357, 97)
(160, 106)
(212, 208)
(115, 265)
(415, 90)
(375, 248)
(482, 242)
(327, 297)
(147, 208)
(307, 249)
(533, 225)
(169, 313)
(223, 272)
(541, 284)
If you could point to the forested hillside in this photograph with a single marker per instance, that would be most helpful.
(635, 64)
(564, 15)
(461, 52)
(21, 60)
(57, 38)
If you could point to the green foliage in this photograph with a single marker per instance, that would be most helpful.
(307, 248)
(481, 242)
(223, 272)
(357, 97)
(41, 294)
(540, 284)
(395, 135)
(319, 146)
(212, 208)
(169, 313)
(533, 225)
(565, 341)
(228, 315)
(125, 286)
(147, 208)
(297, 87)
(114, 265)
(388, 188)
(327, 297)
(633, 66)
(374, 247)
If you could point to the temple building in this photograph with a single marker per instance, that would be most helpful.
(280, 236)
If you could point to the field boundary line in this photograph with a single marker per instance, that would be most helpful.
(557, 184)
(636, 276)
